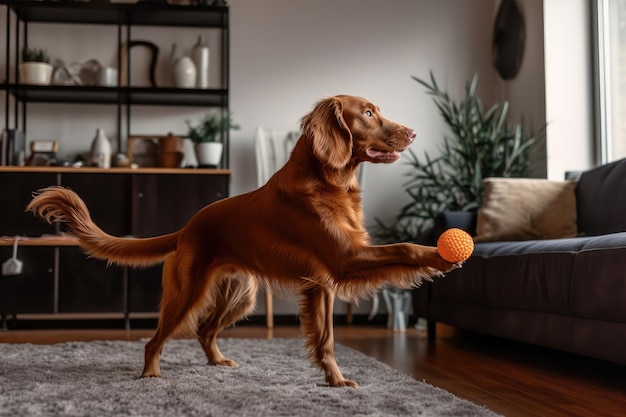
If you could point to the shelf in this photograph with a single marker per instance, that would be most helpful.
(118, 95)
(143, 14)
(91, 170)
(49, 240)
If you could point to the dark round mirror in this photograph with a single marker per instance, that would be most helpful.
(509, 36)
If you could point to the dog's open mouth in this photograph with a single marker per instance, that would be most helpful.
(382, 156)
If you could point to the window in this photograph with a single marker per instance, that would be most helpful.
(611, 78)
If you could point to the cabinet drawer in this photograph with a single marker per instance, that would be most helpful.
(164, 203)
(33, 290)
(89, 285)
(144, 289)
(16, 191)
(106, 196)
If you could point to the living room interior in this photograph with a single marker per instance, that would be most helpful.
(268, 66)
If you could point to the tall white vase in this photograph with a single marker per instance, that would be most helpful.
(189, 154)
(200, 56)
(101, 150)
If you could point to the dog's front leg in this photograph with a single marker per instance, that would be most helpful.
(402, 265)
(316, 316)
(407, 254)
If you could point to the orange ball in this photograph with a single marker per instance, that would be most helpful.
(455, 245)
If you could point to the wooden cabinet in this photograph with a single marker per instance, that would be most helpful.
(60, 278)
(161, 205)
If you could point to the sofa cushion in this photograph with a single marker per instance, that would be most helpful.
(492, 249)
(526, 209)
(458, 286)
(601, 199)
(581, 276)
(525, 276)
(530, 282)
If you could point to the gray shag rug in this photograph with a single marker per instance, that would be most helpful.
(275, 378)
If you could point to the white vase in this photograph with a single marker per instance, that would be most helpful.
(184, 73)
(101, 150)
(200, 56)
(209, 154)
(35, 73)
(189, 154)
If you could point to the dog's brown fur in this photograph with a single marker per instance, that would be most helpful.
(301, 232)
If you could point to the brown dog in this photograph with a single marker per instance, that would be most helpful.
(302, 232)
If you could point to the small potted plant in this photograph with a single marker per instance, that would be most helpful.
(207, 137)
(35, 67)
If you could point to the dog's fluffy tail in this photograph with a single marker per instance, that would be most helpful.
(57, 204)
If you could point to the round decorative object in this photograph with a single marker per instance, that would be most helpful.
(455, 245)
(509, 38)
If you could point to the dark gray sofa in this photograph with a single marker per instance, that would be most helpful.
(567, 294)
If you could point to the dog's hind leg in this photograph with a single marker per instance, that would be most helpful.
(316, 317)
(178, 307)
(234, 298)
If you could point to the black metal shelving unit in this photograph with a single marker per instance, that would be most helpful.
(22, 13)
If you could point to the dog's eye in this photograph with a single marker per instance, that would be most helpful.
(368, 113)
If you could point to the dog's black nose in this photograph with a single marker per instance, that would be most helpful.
(411, 134)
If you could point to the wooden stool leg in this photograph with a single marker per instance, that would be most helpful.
(349, 317)
(269, 309)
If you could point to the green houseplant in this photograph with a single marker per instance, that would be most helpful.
(35, 67)
(35, 55)
(207, 137)
(481, 144)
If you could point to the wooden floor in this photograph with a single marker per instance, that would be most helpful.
(512, 379)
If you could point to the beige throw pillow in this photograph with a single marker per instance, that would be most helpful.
(526, 209)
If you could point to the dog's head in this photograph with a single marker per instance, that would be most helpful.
(347, 128)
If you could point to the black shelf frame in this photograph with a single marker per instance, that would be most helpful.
(135, 14)
(162, 96)
(124, 16)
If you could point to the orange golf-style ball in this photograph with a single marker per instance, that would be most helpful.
(455, 245)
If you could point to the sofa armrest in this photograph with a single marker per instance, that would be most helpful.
(465, 220)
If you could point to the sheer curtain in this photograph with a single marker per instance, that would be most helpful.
(611, 78)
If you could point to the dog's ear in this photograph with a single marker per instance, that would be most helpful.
(330, 136)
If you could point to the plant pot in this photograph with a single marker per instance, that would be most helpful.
(35, 73)
(209, 154)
